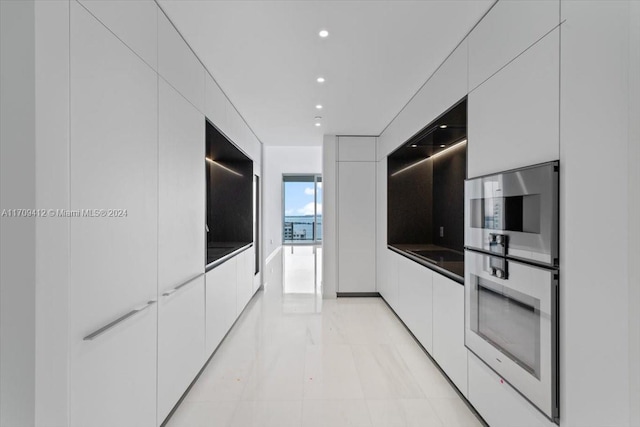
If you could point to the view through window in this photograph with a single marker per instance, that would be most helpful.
(302, 209)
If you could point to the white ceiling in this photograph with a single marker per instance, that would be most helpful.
(266, 56)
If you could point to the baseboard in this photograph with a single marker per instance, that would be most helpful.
(358, 294)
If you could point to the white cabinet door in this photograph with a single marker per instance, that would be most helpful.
(181, 342)
(388, 277)
(514, 117)
(113, 376)
(448, 329)
(505, 32)
(356, 226)
(113, 267)
(244, 289)
(181, 202)
(357, 148)
(220, 302)
(447, 86)
(415, 289)
(498, 403)
(134, 22)
(178, 64)
(215, 103)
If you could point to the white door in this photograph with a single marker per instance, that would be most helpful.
(356, 226)
(113, 267)
(181, 240)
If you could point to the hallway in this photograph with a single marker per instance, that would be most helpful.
(298, 360)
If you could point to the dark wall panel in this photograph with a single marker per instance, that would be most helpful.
(409, 212)
(449, 172)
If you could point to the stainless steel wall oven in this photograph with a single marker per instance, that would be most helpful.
(512, 278)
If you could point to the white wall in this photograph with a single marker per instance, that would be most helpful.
(279, 160)
(634, 212)
(594, 146)
(52, 191)
(17, 152)
(330, 216)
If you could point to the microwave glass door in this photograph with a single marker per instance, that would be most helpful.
(513, 213)
(518, 211)
(509, 320)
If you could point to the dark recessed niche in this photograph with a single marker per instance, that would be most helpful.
(230, 196)
(425, 193)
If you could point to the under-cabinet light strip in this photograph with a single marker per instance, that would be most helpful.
(223, 166)
(464, 141)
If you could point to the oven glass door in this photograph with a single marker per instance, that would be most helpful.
(511, 324)
(509, 320)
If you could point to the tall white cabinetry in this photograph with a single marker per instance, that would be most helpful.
(514, 117)
(181, 316)
(143, 316)
(356, 214)
(113, 260)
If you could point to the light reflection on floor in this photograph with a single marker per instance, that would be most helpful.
(302, 269)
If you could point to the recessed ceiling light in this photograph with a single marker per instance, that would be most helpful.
(414, 145)
(319, 107)
(323, 33)
(317, 124)
(442, 146)
(443, 126)
(320, 79)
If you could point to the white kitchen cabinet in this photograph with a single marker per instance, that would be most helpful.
(113, 259)
(215, 103)
(356, 149)
(220, 302)
(514, 116)
(509, 28)
(244, 287)
(181, 342)
(178, 64)
(181, 203)
(356, 226)
(497, 402)
(388, 277)
(113, 376)
(445, 87)
(181, 241)
(133, 22)
(448, 330)
(415, 294)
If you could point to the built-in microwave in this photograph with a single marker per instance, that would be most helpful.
(515, 214)
(512, 279)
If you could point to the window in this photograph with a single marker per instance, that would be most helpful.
(302, 209)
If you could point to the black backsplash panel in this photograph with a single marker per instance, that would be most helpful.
(409, 205)
(230, 203)
(425, 184)
(229, 187)
(449, 172)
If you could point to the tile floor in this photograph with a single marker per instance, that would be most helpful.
(293, 359)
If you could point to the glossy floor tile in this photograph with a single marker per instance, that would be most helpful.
(294, 359)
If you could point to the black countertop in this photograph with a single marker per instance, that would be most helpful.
(218, 250)
(448, 262)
